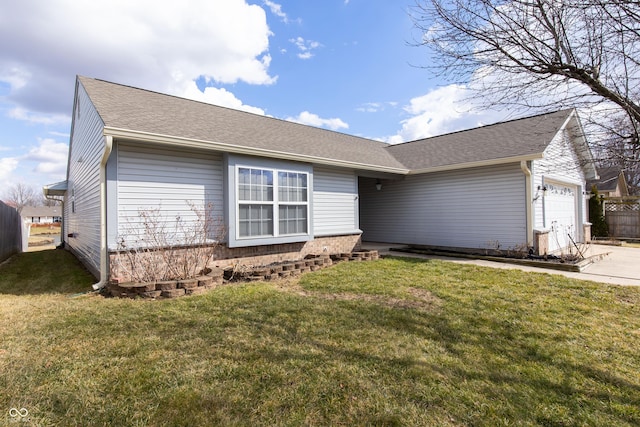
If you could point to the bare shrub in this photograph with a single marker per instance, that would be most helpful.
(153, 247)
(575, 252)
(518, 251)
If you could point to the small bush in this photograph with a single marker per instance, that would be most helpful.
(599, 227)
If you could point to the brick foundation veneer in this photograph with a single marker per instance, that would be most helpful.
(217, 276)
(267, 254)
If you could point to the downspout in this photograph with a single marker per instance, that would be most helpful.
(104, 275)
(529, 202)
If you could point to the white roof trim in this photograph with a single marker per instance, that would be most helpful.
(57, 189)
(131, 135)
(581, 146)
(490, 162)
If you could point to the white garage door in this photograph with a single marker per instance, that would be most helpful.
(560, 214)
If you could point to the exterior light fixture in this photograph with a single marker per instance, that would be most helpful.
(542, 188)
(378, 185)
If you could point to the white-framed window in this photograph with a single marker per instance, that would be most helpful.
(293, 207)
(272, 202)
(255, 202)
(269, 203)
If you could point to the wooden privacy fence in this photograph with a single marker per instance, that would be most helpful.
(10, 231)
(623, 217)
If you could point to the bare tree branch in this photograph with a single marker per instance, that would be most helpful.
(20, 195)
(543, 55)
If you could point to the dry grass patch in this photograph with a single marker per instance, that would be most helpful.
(419, 299)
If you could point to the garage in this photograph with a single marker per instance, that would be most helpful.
(560, 211)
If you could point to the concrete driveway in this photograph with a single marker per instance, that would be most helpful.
(621, 265)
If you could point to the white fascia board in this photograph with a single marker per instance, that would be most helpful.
(129, 135)
(491, 162)
(57, 189)
(581, 146)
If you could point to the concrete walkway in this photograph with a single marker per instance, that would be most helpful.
(620, 267)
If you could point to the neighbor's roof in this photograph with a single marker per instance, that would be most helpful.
(525, 138)
(128, 108)
(46, 211)
(608, 180)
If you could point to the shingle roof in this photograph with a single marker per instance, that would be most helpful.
(527, 137)
(49, 211)
(608, 179)
(126, 107)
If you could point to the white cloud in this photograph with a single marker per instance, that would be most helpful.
(375, 107)
(446, 109)
(307, 118)
(61, 134)
(276, 9)
(7, 166)
(19, 113)
(217, 96)
(50, 158)
(13, 74)
(370, 107)
(306, 47)
(140, 43)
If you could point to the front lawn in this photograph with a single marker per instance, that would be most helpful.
(389, 342)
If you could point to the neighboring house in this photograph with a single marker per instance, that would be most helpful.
(285, 190)
(41, 214)
(612, 183)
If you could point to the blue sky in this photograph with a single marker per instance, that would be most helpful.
(344, 65)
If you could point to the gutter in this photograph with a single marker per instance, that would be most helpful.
(104, 275)
(129, 135)
(481, 163)
(528, 201)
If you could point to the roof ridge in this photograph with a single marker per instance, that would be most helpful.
(482, 127)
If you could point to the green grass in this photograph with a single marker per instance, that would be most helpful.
(389, 342)
(44, 272)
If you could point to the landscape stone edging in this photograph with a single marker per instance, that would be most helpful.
(217, 276)
(571, 267)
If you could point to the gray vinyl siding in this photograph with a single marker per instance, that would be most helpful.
(335, 201)
(86, 151)
(472, 208)
(165, 181)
